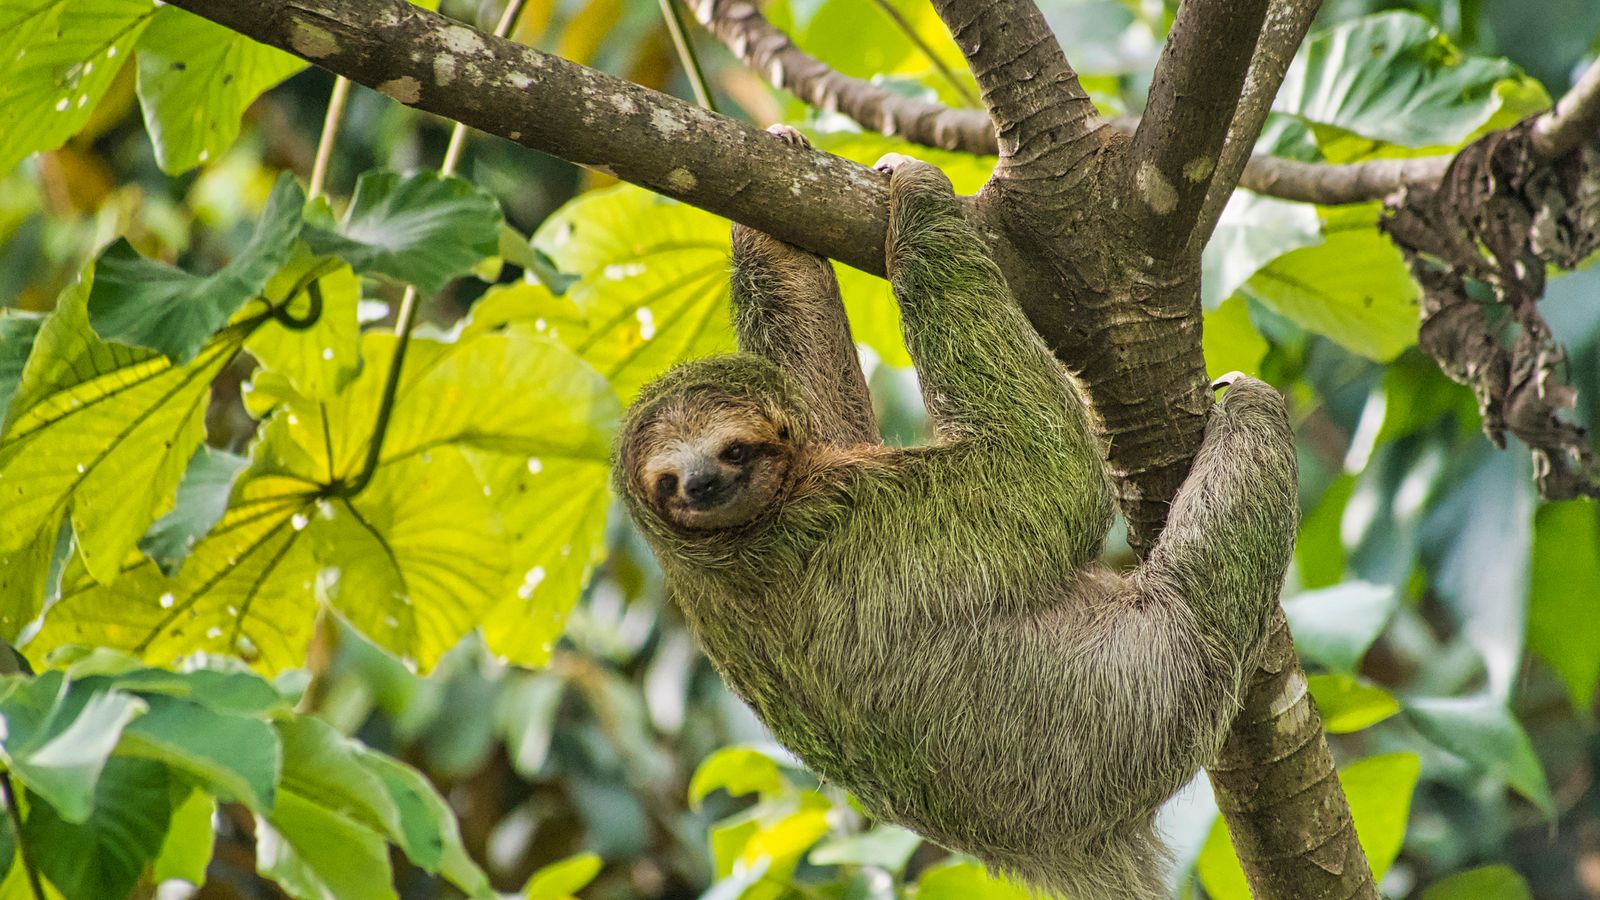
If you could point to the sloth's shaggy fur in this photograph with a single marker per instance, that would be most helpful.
(929, 627)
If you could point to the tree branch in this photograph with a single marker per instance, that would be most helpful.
(1286, 26)
(1045, 121)
(1574, 119)
(1332, 185)
(1193, 97)
(765, 49)
(424, 60)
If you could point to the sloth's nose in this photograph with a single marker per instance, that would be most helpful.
(700, 485)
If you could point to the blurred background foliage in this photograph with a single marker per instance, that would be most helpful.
(1449, 618)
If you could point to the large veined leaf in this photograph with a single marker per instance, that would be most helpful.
(196, 80)
(57, 738)
(61, 56)
(101, 430)
(1253, 231)
(314, 853)
(653, 283)
(17, 333)
(1482, 731)
(1229, 341)
(234, 757)
(1562, 627)
(103, 856)
(1353, 287)
(1395, 78)
(246, 590)
(428, 832)
(316, 343)
(422, 229)
(201, 501)
(150, 304)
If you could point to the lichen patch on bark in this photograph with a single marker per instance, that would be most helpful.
(404, 89)
(1155, 190)
(312, 41)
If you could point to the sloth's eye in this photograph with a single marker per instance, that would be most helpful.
(783, 433)
(667, 484)
(735, 454)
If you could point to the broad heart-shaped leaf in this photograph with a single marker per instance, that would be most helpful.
(423, 229)
(1335, 626)
(316, 343)
(1482, 731)
(58, 736)
(1353, 288)
(103, 429)
(103, 856)
(417, 558)
(1349, 704)
(1379, 789)
(195, 81)
(236, 758)
(554, 512)
(1497, 882)
(653, 286)
(61, 56)
(150, 304)
(246, 590)
(1394, 78)
(1253, 231)
(201, 500)
(1562, 627)
(17, 333)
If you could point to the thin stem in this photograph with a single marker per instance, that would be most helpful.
(15, 814)
(458, 134)
(686, 53)
(910, 32)
(330, 129)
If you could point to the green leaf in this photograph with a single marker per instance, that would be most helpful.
(25, 580)
(201, 501)
(195, 81)
(18, 330)
(423, 229)
(245, 591)
(887, 846)
(1562, 627)
(151, 304)
(58, 736)
(1335, 626)
(966, 881)
(1349, 704)
(1379, 789)
(314, 853)
(1353, 288)
(1230, 342)
(417, 558)
(237, 758)
(1482, 731)
(326, 768)
(1498, 882)
(319, 358)
(1395, 78)
(103, 856)
(737, 770)
(102, 428)
(428, 831)
(61, 56)
(186, 849)
(224, 688)
(1253, 231)
(562, 879)
(653, 284)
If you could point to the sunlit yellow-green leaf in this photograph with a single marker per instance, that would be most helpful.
(186, 849)
(737, 770)
(60, 57)
(653, 281)
(562, 879)
(100, 430)
(245, 591)
(322, 356)
(1231, 343)
(967, 881)
(1349, 704)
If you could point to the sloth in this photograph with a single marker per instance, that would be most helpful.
(929, 627)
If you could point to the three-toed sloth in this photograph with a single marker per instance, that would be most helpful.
(929, 627)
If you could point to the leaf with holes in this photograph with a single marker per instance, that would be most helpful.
(101, 431)
(195, 81)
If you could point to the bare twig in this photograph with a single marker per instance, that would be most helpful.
(686, 54)
(1286, 26)
(1193, 96)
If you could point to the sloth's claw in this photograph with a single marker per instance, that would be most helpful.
(789, 134)
(1227, 380)
(889, 162)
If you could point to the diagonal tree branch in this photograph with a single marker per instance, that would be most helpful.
(1574, 119)
(1045, 121)
(424, 60)
(1193, 96)
(1286, 26)
(765, 49)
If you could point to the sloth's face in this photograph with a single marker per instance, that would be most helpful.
(710, 469)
